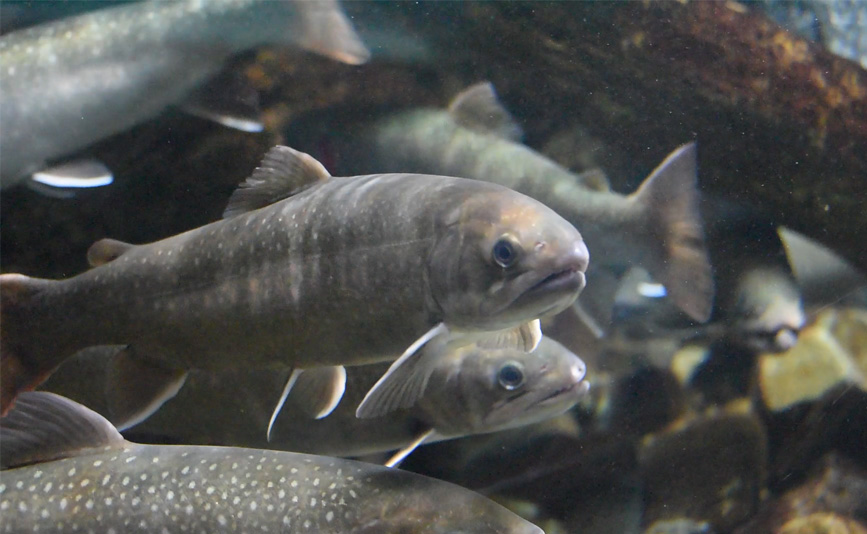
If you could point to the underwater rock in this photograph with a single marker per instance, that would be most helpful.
(818, 363)
(709, 467)
(833, 499)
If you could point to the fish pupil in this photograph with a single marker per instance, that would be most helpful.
(504, 253)
(511, 376)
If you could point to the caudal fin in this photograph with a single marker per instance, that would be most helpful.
(326, 30)
(669, 198)
(19, 369)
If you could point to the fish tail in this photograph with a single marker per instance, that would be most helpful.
(326, 30)
(20, 369)
(669, 200)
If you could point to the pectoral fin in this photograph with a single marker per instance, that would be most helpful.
(401, 455)
(75, 175)
(406, 379)
(137, 388)
(318, 391)
(525, 337)
(227, 99)
(290, 383)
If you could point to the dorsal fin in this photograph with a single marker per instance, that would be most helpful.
(106, 250)
(477, 108)
(283, 172)
(43, 426)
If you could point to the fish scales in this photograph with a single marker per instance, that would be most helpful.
(68, 83)
(658, 226)
(102, 483)
(340, 241)
(341, 271)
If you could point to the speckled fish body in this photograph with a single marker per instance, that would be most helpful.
(469, 393)
(102, 483)
(69, 83)
(349, 271)
(657, 227)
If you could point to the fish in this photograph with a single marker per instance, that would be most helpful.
(657, 227)
(66, 469)
(472, 390)
(305, 271)
(71, 82)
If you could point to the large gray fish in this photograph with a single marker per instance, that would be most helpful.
(69, 83)
(657, 227)
(346, 271)
(66, 469)
(471, 390)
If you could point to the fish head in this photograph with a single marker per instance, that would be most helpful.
(478, 389)
(502, 259)
(768, 312)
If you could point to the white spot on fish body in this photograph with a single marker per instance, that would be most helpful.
(97, 463)
(89, 504)
(221, 520)
(125, 481)
(37, 474)
(108, 501)
(294, 484)
(253, 505)
(185, 470)
(71, 472)
(281, 494)
(106, 479)
(329, 516)
(170, 495)
(44, 513)
(312, 502)
(85, 482)
(63, 503)
(130, 459)
(4, 505)
(47, 487)
(19, 484)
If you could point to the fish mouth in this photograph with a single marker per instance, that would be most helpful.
(566, 280)
(580, 388)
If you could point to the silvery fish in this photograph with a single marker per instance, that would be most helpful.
(66, 469)
(345, 271)
(471, 390)
(69, 83)
(657, 227)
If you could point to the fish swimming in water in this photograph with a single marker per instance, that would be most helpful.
(67, 469)
(471, 390)
(345, 271)
(69, 83)
(657, 227)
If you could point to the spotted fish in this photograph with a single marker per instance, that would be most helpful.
(345, 271)
(657, 227)
(66, 469)
(69, 83)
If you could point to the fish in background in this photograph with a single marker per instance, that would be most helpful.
(345, 271)
(823, 276)
(66, 468)
(471, 390)
(69, 83)
(657, 227)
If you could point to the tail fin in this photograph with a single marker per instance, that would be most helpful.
(18, 369)
(326, 30)
(669, 198)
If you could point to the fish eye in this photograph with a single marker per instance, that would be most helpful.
(511, 376)
(505, 252)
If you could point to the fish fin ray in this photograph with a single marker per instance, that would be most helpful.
(78, 174)
(326, 30)
(406, 379)
(318, 390)
(136, 388)
(44, 426)
(106, 251)
(20, 369)
(669, 197)
(478, 108)
(401, 455)
(282, 173)
(290, 383)
(524, 337)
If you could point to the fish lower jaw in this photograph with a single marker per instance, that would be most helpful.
(575, 390)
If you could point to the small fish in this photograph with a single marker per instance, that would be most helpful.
(345, 271)
(471, 390)
(657, 227)
(69, 83)
(67, 469)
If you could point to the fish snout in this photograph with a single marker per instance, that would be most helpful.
(577, 370)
